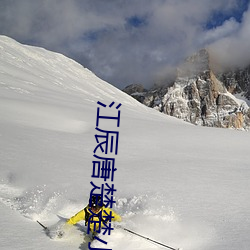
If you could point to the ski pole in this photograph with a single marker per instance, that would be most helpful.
(45, 228)
(159, 243)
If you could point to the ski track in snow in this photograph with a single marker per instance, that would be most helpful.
(145, 214)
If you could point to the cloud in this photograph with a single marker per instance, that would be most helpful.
(232, 50)
(121, 41)
(228, 28)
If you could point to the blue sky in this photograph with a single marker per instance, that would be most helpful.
(218, 17)
(131, 41)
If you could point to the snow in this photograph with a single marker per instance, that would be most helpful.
(182, 185)
(242, 99)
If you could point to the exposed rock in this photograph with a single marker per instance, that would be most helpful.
(137, 91)
(133, 88)
(237, 81)
(198, 96)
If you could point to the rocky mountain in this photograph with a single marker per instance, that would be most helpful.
(200, 96)
(237, 81)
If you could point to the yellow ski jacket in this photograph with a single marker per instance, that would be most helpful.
(81, 215)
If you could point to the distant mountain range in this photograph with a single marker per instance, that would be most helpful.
(201, 94)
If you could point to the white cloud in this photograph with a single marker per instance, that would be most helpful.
(228, 28)
(233, 50)
(97, 32)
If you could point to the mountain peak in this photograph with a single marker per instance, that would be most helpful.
(197, 64)
(200, 96)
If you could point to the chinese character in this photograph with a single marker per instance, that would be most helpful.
(108, 138)
(106, 171)
(108, 117)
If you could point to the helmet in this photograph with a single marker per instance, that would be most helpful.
(95, 201)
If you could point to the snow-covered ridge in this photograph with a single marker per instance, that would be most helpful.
(33, 66)
(33, 74)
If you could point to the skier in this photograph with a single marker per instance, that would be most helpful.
(95, 215)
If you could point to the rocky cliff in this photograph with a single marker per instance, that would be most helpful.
(200, 96)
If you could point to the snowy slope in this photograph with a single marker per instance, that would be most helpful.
(182, 185)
